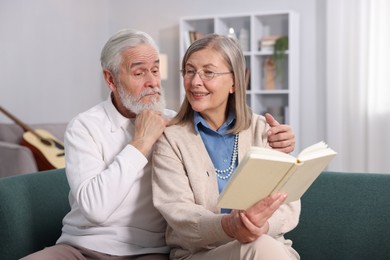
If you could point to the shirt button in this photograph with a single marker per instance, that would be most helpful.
(224, 160)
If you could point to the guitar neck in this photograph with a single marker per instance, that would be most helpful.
(20, 123)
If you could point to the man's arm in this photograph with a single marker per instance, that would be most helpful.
(101, 168)
(280, 137)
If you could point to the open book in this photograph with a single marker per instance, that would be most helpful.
(263, 171)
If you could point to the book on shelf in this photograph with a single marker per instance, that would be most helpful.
(267, 43)
(264, 171)
(191, 37)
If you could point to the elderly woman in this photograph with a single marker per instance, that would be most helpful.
(197, 154)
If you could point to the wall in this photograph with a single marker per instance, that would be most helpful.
(49, 65)
(49, 49)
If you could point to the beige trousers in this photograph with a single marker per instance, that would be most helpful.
(264, 248)
(67, 252)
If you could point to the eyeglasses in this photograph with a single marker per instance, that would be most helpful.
(203, 74)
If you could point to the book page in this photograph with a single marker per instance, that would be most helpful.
(270, 154)
(314, 151)
(303, 177)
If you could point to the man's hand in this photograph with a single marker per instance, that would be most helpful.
(149, 125)
(280, 137)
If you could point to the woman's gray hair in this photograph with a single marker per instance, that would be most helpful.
(111, 56)
(231, 52)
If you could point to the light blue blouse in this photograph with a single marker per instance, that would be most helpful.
(219, 144)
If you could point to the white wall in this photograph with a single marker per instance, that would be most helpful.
(49, 57)
(49, 51)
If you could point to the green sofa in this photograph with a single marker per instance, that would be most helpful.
(31, 210)
(344, 215)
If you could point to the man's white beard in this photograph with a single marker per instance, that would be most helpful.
(133, 104)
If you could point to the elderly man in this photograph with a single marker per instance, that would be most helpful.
(108, 167)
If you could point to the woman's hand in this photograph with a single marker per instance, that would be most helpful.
(246, 226)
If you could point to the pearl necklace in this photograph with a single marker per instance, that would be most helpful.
(226, 173)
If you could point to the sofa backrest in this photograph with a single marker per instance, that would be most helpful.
(345, 216)
(31, 210)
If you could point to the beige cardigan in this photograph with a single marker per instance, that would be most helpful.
(185, 189)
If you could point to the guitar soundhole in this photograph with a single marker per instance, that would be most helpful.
(47, 141)
(58, 145)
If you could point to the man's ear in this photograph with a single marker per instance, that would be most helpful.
(109, 78)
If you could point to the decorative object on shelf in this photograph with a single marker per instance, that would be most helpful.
(244, 39)
(279, 55)
(231, 33)
(269, 73)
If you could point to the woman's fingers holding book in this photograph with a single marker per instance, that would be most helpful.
(261, 211)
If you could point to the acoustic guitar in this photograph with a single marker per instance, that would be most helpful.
(48, 151)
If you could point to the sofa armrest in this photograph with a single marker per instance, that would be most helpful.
(32, 207)
(16, 159)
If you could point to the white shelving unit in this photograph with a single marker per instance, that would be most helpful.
(283, 100)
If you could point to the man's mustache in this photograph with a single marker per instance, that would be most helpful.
(150, 92)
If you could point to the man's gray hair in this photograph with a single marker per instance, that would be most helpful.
(111, 56)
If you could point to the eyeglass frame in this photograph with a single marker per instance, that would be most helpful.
(201, 74)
